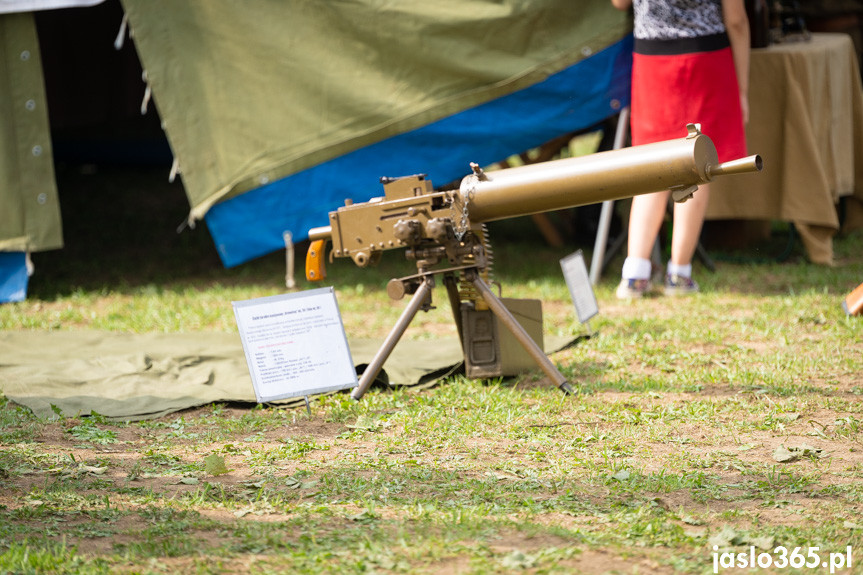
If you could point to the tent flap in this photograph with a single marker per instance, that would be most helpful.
(253, 93)
(251, 224)
(30, 218)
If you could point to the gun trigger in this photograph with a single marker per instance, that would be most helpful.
(315, 270)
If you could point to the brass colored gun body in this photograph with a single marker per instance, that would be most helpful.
(447, 227)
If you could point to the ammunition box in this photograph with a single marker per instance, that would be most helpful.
(490, 349)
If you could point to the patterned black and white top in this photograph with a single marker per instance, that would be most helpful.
(678, 26)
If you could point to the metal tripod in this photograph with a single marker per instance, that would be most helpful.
(421, 299)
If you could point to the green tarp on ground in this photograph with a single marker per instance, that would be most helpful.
(131, 377)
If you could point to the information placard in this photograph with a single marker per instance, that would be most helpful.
(578, 282)
(295, 344)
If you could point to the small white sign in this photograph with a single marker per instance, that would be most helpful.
(295, 344)
(578, 282)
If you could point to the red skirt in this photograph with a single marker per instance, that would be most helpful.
(669, 92)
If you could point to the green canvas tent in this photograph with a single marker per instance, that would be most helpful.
(29, 208)
(278, 110)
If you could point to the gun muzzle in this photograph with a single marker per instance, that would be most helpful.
(741, 166)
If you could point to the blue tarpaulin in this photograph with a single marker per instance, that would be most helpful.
(576, 98)
(13, 276)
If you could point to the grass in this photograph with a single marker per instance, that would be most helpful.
(666, 451)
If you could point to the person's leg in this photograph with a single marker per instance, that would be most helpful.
(645, 219)
(688, 220)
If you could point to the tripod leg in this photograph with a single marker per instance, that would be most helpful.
(615, 247)
(393, 338)
(520, 334)
(455, 303)
(705, 257)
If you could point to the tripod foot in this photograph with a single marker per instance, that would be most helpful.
(566, 388)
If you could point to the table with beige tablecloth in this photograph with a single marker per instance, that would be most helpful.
(806, 121)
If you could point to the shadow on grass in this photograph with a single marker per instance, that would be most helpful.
(120, 232)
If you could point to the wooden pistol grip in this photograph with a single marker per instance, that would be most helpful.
(315, 270)
(853, 302)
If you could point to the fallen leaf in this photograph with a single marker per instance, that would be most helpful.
(215, 465)
(808, 450)
(765, 542)
(363, 516)
(366, 423)
(726, 537)
(783, 455)
(518, 560)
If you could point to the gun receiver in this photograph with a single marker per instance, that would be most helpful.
(448, 226)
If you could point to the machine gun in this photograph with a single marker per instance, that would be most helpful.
(444, 231)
